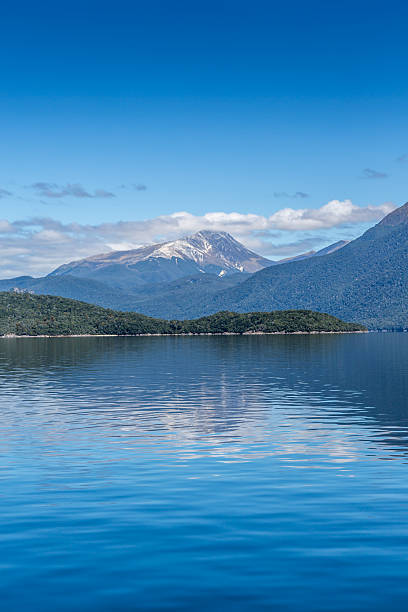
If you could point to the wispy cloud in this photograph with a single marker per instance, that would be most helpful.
(369, 173)
(285, 194)
(52, 190)
(103, 193)
(134, 186)
(37, 246)
(402, 159)
(4, 193)
(5, 226)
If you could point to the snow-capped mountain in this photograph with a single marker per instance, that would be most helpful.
(204, 252)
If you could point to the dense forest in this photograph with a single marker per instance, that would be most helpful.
(365, 281)
(24, 314)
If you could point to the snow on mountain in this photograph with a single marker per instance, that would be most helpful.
(206, 251)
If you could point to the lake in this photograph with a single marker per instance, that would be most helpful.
(204, 473)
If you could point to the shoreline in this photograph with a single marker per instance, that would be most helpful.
(248, 333)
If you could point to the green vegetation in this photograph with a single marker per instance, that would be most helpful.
(289, 321)
(365, 281)
(24, 314)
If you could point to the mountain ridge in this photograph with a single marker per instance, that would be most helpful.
(366, 280)
(205, 251)
(362, 280)
(168, 297)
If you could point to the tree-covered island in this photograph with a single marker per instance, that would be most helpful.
(25, 314)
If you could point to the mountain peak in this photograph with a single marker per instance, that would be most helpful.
(205, 251)
(210, 233)
(212, 236)
(396, 217)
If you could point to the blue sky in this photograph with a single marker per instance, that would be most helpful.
(206, 107)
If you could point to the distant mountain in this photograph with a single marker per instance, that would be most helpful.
(332, 248)
(180, 297)
(206, 251)
(189, 297)
(133, 280)
(182, 293)
(86, 290)
(326, 251)
(366, 280)
(296, 257)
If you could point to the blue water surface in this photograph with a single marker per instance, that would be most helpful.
(204, 473)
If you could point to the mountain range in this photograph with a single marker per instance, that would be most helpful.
(204, 252)
(167, 278)
(364, 280)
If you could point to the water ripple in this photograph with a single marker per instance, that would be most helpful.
(251, 473)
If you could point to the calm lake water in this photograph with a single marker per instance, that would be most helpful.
(208, 473)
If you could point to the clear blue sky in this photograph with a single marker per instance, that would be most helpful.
(211, 106)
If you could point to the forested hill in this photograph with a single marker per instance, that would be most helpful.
(24, 314)
(365, 281)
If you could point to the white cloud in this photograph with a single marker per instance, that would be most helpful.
(5, 226)
(50, 235)
(333, 214)
(37, 246)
